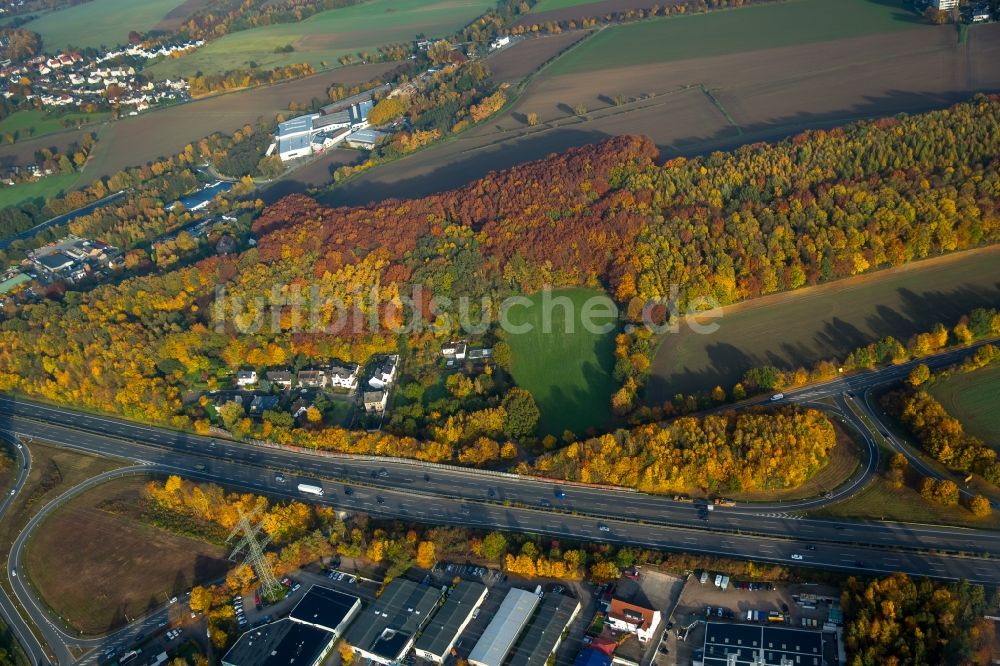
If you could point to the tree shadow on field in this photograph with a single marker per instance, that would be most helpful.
(575, 408)
(837, 336)
(726, 366)
(902, 14)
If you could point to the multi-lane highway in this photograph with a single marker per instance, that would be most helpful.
(444, 494)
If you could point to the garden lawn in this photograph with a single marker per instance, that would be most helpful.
(733, 31)
(569, 374)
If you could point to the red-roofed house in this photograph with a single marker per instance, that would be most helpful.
(637, 620)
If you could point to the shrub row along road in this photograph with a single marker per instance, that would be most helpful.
(442, 494)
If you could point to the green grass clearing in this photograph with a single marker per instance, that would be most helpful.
(45, 189)
(733, 31)
(99, 22)
(33, 124)
(569, 374)
(972, 398)
(327, 36)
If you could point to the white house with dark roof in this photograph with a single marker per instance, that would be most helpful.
(246, 378)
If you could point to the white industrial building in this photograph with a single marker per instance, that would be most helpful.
(315, 132)
(505, 627)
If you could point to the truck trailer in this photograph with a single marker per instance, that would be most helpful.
(310, 489)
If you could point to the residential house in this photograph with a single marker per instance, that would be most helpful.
(455, 350)
(312, 379)
(341, 376)
(282, 378)
(262, 403)
(375, 401)
(385, 374)
(633, 619)
(246, 378)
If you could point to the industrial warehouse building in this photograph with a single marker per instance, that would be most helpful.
(326, 609)
(451, 619)
(502, 632)
(281, 642)
(545, 632)
(304, 638)
(761, 645)
(314, 132)
(385, 632)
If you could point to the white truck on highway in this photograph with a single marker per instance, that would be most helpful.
(310, 489)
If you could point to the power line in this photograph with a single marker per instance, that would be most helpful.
(253, 542)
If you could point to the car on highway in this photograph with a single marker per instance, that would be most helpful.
(777, 396)
(279, 478)
(810, 547)
(796, 556)
(546, 504)
(560, 493)
(604, 528)
(348, 490)
(380, 499)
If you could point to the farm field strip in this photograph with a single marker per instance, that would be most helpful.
(327, 36)
(740, 30)
(804, 326)
(107, 22)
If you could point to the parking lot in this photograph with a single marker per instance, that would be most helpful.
(793, 601)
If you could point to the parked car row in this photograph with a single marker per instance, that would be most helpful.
(341, 576)
(241, 618)
(472, 570)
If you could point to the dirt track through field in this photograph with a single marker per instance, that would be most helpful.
(769, 94)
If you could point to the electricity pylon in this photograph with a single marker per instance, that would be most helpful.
(253, 542)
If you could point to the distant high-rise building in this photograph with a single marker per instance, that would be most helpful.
(944, 5)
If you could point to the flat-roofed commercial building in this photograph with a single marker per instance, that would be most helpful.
(385, 632)
(326, 609)
(503, 630)
(761, 645)
(545, 632)
(449, 622)
(279, 643)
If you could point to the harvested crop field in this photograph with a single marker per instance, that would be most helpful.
(120, 566)
(525, 56)
(798, 328)
(695, 106)
(314, 174)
